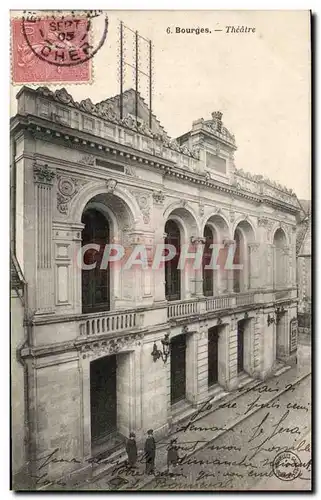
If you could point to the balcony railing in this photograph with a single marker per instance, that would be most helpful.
(109, 323)
(245, 299)
(215, 303)
(181, 309)
(282, 294)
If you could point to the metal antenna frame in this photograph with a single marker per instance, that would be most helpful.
(138, 71)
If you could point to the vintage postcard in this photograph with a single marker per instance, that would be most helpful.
(160, 250)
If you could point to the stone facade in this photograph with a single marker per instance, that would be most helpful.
(304, 263)
(71, 156)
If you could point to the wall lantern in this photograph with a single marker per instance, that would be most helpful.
(270, 319)
(156, 353)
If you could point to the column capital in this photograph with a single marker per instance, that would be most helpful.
(42, 174)
(198, 240)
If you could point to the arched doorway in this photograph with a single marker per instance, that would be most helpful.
(172, 273)
(208, 281)
(95, 282)
(280, 261)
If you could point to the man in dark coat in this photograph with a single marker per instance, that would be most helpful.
(150, 452)
(131, 449)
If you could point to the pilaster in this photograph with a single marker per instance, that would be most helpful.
(43, 179)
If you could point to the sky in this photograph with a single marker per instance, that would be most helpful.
(260, 81)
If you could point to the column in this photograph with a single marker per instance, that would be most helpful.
(202, 366)
(228, 264)
(191, 367)
(254, 265)
(232, 381)
(198, 243)
(159, 239)
(43, 178)
(223, 356)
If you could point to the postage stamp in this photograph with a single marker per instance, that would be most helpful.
(54, 48)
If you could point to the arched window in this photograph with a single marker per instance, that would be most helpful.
(172, 274)
(237, 261)
(95, 282)
(280, 260)
(208, 289)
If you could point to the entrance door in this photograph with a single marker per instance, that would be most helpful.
(178, 370)
(240, 346)
(103, 400)
(213, 355)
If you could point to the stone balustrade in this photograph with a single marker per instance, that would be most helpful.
(110, 322)
(216, 303)
(180, 309)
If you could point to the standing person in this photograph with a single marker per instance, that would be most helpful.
(172, 456)
(131, 449)
(150, 452)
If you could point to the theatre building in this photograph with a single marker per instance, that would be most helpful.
(114, 349)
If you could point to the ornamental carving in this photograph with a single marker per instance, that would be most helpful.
(201, 209)
(267, 224)
(108, 347)
(108, 110)
(143, 201)
(87, 160)
(158, 197)
(67, 188)
(42, 174)
(129, 171)
(111, 185)
(198, 240)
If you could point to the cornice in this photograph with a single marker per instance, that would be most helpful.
(70, 137)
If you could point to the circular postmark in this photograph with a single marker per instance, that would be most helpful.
(63, 41)
(286, 466)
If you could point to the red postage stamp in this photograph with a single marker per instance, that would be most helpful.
(52, 49)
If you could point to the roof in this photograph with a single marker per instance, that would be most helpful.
(114, 101)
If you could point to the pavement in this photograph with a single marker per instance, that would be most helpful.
(211, 422)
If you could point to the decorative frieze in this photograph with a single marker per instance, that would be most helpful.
(87, 160)
(101, 348)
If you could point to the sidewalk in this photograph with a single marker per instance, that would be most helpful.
(223, 415)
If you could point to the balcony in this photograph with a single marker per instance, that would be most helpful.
(216, 303)
(180, 309)
(110, 322)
